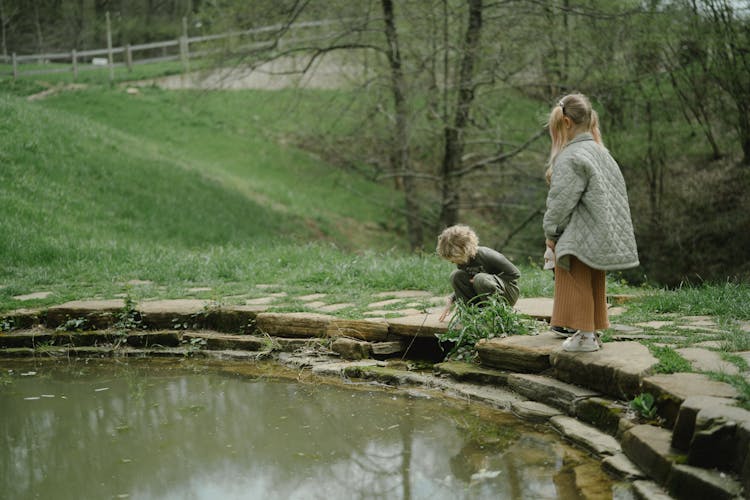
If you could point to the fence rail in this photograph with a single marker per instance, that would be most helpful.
(94, 59)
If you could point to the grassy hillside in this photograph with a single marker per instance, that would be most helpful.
(151, 187)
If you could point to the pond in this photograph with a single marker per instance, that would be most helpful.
(147, 429)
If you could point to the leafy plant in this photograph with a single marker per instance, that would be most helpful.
(644, 405)
(128, 318)
(474, 322)
(74, 325)
(6, 324)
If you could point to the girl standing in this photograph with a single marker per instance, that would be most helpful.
(587, 222)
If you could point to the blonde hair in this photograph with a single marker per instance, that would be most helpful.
(577, 108)
(458, 243)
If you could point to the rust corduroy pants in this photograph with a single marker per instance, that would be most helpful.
(580, 298)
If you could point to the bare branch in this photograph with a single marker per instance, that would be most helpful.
(500, 158)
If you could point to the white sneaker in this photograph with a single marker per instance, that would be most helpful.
(579, 343)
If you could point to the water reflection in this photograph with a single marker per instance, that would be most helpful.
(146, 429)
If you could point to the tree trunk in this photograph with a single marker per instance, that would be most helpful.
(454, 134)
(400, 158)
(38, 28)
(2, 29)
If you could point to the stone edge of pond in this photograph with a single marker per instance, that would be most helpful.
(703, 452)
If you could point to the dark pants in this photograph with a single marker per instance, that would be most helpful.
(482, 286)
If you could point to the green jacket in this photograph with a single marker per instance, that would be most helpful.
(588, 215)
(493, 262)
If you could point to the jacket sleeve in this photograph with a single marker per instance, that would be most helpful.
(496, 263)
(569, 181)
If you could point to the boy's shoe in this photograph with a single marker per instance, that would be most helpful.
(579, 343)
(562, 332)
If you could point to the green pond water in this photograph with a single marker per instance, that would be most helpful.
(157, 429)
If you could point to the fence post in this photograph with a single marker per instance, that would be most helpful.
(15, 66)
(74, 58)
(129, 57)
(184, 49)
(110, 57)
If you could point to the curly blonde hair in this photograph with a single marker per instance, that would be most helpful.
(458, 244)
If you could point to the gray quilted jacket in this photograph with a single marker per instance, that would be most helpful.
(588, 215)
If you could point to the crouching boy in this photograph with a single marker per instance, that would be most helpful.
(480, 272)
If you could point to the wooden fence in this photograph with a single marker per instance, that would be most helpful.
(181, 49)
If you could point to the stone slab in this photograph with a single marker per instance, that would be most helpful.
(604, 414)
(518, 353)
(175, 313)
(293, 324)
(620, 465)
(670, 390)
(649, 490)
(338, 369)
(586, 436)
(549, 391)
(32, 296)
(418, 325)
(704, 360)
(220, 341)
(22, 318)
(721, 439)
(649, 447)
(380, 349)
(150, 339)
(98, 313)
(351, 349)
(536, 307)
(370, 330)
(684, 427)
(534, 411)
(470, 372)
(172, 306)
(694, 483)
(26, 338)
(616, 369)
(232, 319)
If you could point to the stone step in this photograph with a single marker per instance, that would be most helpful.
(469, 372)
(156, 314)
(224, 341)
(607, 415)
(293, 324)
(684, 427)
(620, 465)
(99, 314)
(534, 411)
(586, 436)
(693, 483)
(418, 325)
(671, 390)
(649, 447)
(649, 490)
(721, 439)
(549, 391)
(518, 353)
(369, 330)
(615, 370)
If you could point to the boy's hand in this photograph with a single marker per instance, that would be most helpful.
(448, 306)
